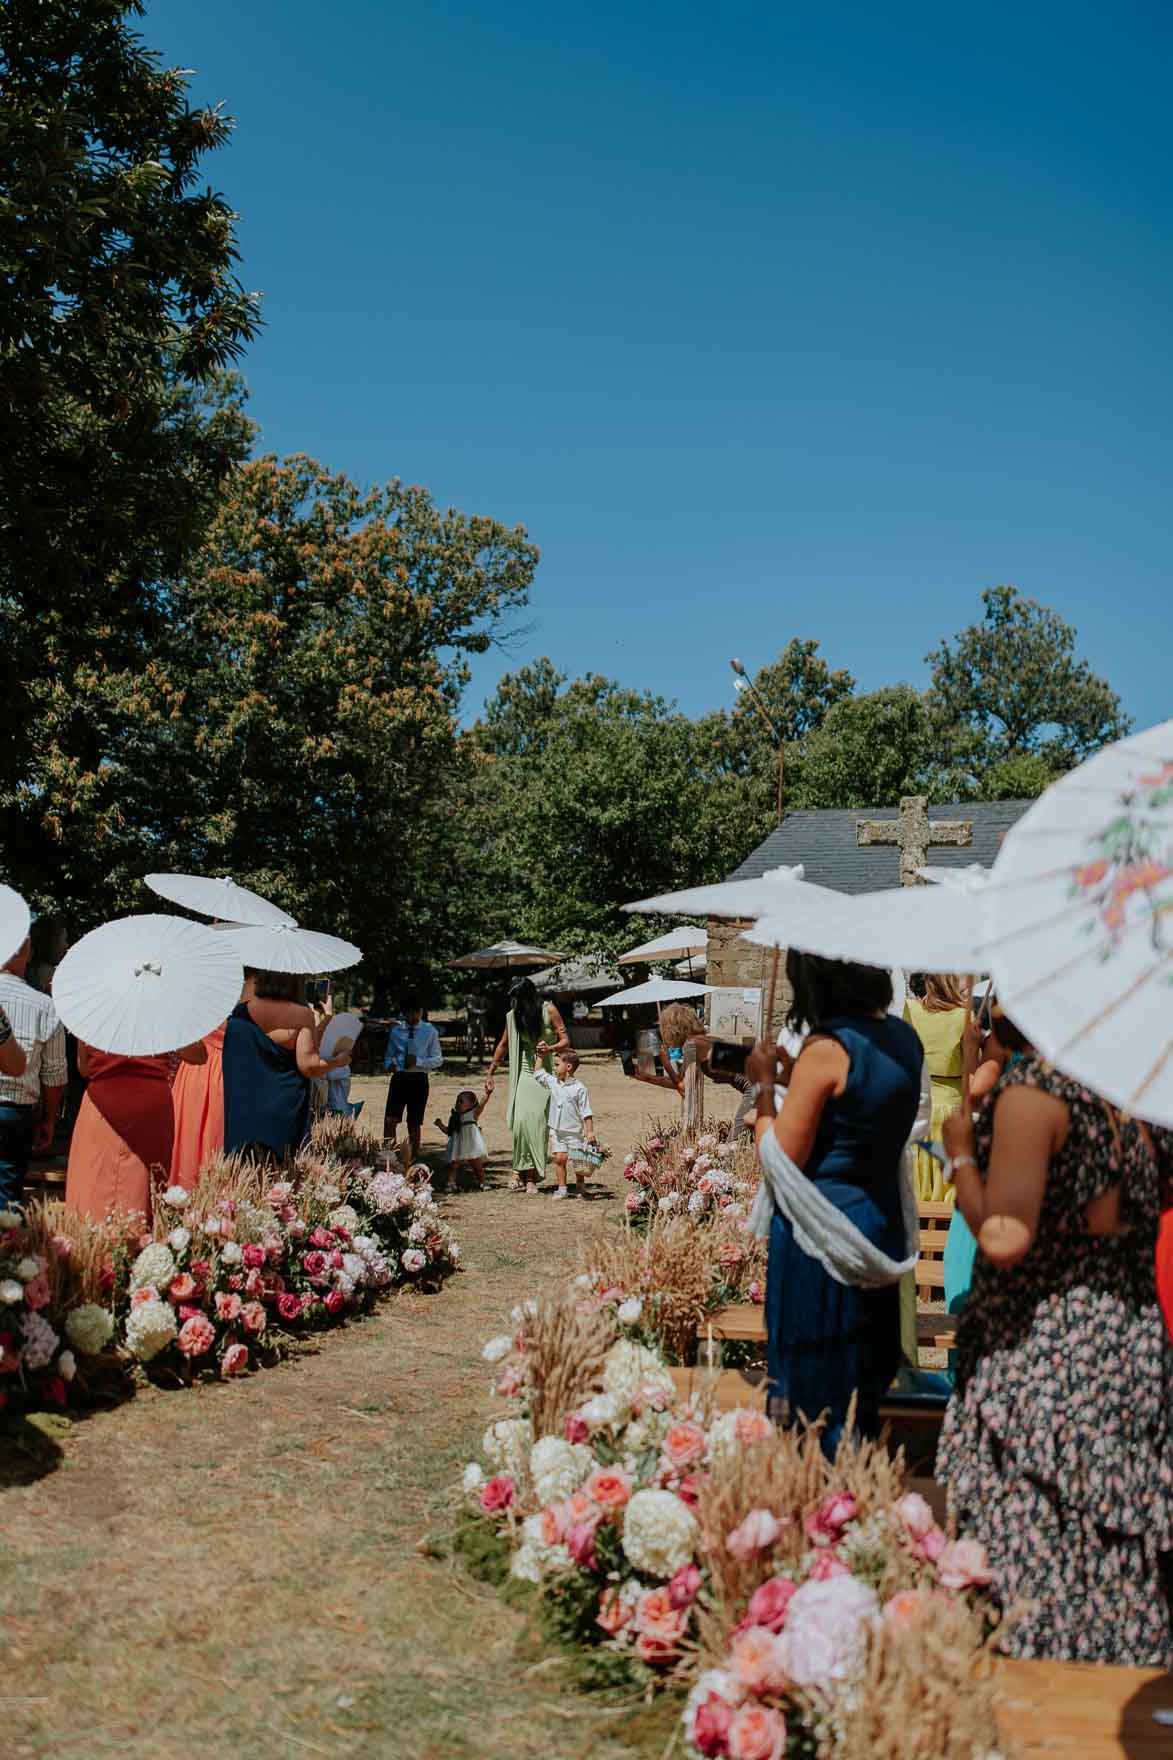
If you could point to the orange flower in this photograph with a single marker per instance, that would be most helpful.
(657, 1619)
(612, 1614)
(608, 1486)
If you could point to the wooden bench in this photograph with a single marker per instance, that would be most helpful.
(936, 1331)
(1083, 1711)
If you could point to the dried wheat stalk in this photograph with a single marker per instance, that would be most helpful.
(565, 1348)
(928, 1692)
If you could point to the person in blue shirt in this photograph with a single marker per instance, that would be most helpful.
(413, 1053)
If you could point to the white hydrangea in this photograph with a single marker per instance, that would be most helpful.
(526, 1565)
(40, 1341)
(329, 1194)
(89, 1328)
(355, 1266)
(669, 1201)
(211, 1225)
(67, 1365)
(150, 1327)
(176, 1196)
(232, 1252)
(11, 1219)
(604, 1409)
(558, 1467)
(549, 1557)
(179, 1239)
(507, 1445)
(344, 1217)
(474, 1477)
(659, 1533)
(825, 1637)
(418, 1232)
(629, 1366)
(497, 1349)
(154, 1265)
(11, 1291)
(29, 1268)
(630, 1312)
(696, 1203)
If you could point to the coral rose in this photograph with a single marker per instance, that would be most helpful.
(755, 1659)
(613, 1616)
(683, 1446)
(658, 1619)
(196, 1336)
(235, 1359)
(653, 1651)
(228, 1306)
(962, 1564)
(768, 1604)
(756, 1732)
(182, 1288)
(906, 1609)
(497, 1494)
(609, 1486)
(710, 1725)
(750, 1427)
(253, 1318)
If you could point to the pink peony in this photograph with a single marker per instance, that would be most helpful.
(916, 1515)
(145, 1293)
(235, 1359)
(228, 1306)
(683, 1446)
(580, 1543)
(655, 1144)
(634, 1201)
(831, 1517)
(685, 1586)
(36, 1292)
(768, 1604)
(497, 1494)
(196, 1336)
(321, 1237)
(336, 1260)
(827, 1565)
(254, 1284)
(575, 1429)
(750, 1427)
(930, 1545)
(289, 1306)
(254, 1256)
(756, 1661)
(962, 1564)
(188, 1310)
(756, 1732)
(335, 1301)
(182, 1288)
(710, 1725)
(235, 1281)
(253, 1318)
(756, 1534)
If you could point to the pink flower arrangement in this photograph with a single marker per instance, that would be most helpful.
(196, 1336)
(498, 1494)
(757, 1533)
(831, 1517)
(234, 1360)
(253, 1318)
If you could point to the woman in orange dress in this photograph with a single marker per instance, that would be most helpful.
(198, 1098)
(122, 1141)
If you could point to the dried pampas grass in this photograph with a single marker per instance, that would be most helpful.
(670, 1268)
(79, 1253)
(350, 1139)
(928, 1692)
(565, 1348)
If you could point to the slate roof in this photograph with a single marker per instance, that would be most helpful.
(823, 840)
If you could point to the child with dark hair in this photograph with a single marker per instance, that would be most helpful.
(466, 1145)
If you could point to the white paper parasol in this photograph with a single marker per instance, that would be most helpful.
(220, 898)
(14, 922)
(656, 990)
(1080, 908)
(778, 890)
(684, 940)
(936, 928)
(143, 985)
(287, 947)
(503, 955)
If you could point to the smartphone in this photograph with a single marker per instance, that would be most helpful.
(727, 1057)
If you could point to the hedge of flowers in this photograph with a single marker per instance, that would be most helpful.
(690, 1173)
(794, 1600)
(225, 1277)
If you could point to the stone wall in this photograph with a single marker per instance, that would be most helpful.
(739, 963)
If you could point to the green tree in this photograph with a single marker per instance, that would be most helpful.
(869, 751)
(118, 305)
(1011, 687)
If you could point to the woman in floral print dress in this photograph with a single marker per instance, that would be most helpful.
(1057, 1448)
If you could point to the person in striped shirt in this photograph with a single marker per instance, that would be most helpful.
(29, 1100)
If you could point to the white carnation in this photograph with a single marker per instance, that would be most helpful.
(232, 1253)
(176, 1196)
(67, 1365)
(11, 1291)
(629, 1313)
(497, 1349)
(150, 1327)
(507, 1445)
(659, 1533)
(178, 1239)
(89, 1328)
(155, 1265)
(558, 1467)
(474, 1477)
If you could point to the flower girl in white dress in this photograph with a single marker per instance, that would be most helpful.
(466, 1145)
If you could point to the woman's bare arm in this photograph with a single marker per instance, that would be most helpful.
(1003, 1213)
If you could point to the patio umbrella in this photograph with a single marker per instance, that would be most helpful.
(940, 927)
(1080, 908)
(656, 990)
(779, 889)
(14, 922)
(504, 955)
(684, 940)
(221, 898)
(287, 947)
(143, 985)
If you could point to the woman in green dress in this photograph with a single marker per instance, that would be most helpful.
(534, 1032)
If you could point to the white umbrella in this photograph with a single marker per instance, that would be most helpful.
(503, 954)
(142, 985)
(935, 928)
(685, 939)
(1080, 909)
(14, 923)
(780, 889)
(287, 947)
(221, 898)
(655, 990)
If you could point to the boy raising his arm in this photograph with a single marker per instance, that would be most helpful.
(572, 1124)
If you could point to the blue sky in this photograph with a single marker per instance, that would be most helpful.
(765, 320)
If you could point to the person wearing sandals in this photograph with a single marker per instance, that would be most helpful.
(466, 1145)
(534, 1032)
(572, 1125)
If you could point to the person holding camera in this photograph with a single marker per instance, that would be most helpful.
(836, 1202)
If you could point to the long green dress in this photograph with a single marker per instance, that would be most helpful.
(529, 1103)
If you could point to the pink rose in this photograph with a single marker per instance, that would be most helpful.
(335, 1301)
(831, 1517)
(612, 1614)
(575, 1429)
(756, 1732)
(336, 1260)
(289, 1306)
(62, 1245)
(274, 1251)
(907, 1608)
(200, 1269)
(684, 1586)
(826, 1566)
(656, 1616)
(253, 1318)
(755, 1293)
(580, 1543)
(254, 1285)
(962, 1564)
(916, 1515)
(654, 1651)
(236, 1281)
(254, 1256)
(56, 1390)
(609, 1487)
(756, 1661)
(182, 1288)
(689, 1488)
(314, 1264)
(188, 1310)
(228, 1306)
(145, 1293)
(235, 1359)
(768, 1604)
(655, 1144)
(710, 1725)
(757, 1533)
(497, 1494)
(634, 1201)
(196, 1336)
(750, 1427)
(321, 1237)
(930, 1546)
(37, 1292)
(683, 1446)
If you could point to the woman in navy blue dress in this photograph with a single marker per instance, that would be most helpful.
(851, 1102)
(270, 1058)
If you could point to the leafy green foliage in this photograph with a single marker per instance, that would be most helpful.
(869, 750)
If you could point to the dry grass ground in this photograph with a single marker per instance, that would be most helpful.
(236, 1570)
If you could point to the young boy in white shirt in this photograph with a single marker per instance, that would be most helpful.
(572, 1124)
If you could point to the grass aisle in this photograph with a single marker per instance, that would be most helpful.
(235, 1570)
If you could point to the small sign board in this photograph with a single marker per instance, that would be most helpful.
(734, 1013)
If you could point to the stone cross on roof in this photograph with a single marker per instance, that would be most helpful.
(914, 833)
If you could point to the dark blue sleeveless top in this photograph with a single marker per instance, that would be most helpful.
(862, 1133)
(266, 1097)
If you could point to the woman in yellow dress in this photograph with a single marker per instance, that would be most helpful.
(940, 1021)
